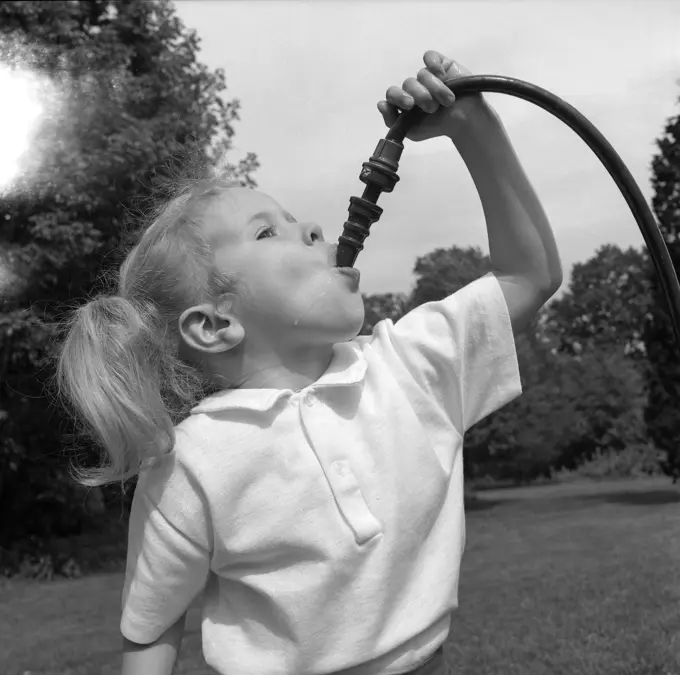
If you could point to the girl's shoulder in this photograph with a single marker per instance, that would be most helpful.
(187, 448)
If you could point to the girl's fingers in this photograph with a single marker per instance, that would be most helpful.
(399, 98)
(420, 94)
(439, 91)
(427, 91)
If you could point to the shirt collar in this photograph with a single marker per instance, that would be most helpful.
(348, 367)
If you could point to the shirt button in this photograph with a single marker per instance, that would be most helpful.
(309, 400)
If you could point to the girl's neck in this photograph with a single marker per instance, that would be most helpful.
(295, 374)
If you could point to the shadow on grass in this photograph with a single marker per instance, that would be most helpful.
(476, 504)
(627, 497)
(633, 498)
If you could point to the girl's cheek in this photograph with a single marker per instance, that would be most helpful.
(292, 274)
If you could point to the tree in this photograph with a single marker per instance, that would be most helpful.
(382, 306)
(662, 413)
(445, 271)
(571, 408)
(135, 96)
(606, 392)
(606, 303)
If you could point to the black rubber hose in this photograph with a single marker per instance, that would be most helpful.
(349, 247)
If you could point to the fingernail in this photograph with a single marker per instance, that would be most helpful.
(409, 100)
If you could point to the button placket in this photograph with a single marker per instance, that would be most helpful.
(343, 482)
(352, 504)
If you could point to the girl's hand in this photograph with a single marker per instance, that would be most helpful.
(448, 116)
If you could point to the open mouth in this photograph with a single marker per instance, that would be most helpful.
(351, 273)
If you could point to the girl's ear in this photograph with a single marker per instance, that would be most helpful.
(211, 329)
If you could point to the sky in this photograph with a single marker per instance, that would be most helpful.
(309, 75)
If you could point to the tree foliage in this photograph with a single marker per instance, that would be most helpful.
(662, 413)
(445, 271)
(605, 305)
(383, 306)
(571, 408)
(134, 98)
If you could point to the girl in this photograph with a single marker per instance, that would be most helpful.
(315, 497)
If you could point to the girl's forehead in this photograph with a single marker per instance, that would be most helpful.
(233, 209)
(244, 198)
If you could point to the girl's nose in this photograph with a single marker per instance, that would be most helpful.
(312, 232)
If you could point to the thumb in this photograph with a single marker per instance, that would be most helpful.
(389, 112)
(434, 61)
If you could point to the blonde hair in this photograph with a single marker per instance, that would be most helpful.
(119, 366)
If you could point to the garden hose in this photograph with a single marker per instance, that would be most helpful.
(379, 175)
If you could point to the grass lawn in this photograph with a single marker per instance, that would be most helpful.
(568, 579)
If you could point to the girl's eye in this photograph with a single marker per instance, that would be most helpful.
(267, 232)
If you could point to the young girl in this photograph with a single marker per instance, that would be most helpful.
(315, 498)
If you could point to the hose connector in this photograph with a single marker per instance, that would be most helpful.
(381, 169)
(379, 175)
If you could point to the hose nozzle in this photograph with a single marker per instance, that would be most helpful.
(379, 175)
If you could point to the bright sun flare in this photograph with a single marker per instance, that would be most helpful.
(19, 114)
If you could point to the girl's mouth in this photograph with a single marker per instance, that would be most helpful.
(351, 273)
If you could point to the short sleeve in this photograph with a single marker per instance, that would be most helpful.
(169, 545)
(461, 351)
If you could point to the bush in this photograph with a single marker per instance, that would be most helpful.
(633, 461)
(96, 551)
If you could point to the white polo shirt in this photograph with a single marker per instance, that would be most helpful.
(326, 526)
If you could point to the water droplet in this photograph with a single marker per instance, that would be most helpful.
(313, 303)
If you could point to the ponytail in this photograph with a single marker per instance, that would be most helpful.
(109, 368)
